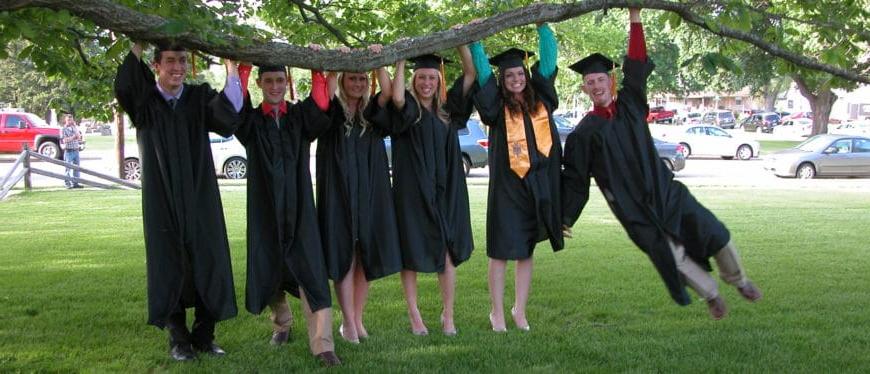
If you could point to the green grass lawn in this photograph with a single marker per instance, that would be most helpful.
(104, 143)
(771, 146)
(72, 276)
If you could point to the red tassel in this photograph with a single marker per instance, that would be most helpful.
(290, 84)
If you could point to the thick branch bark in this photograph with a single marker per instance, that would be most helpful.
(143, 27)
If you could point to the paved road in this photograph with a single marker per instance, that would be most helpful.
(698, 172)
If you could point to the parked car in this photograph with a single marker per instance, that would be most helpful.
(712, 141)
(20, 128)
(823, 155)
(472, 141)
(797, 115)
(851, 128)
(689, 118)
(722, 118)
(564, 126)
(229, 156)
(671, 154)
(795, 127)
(660, 115)
(764, 122)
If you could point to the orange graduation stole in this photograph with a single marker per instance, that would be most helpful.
(518, 146)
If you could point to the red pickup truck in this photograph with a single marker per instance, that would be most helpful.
(660, 115)
(20, 128)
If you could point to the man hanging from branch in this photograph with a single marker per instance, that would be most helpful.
(284, 247)
(186, 249)
(613, 144)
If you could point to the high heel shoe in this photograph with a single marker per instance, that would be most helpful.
(525, 327)
(492, 323)
(451, 332)
(341, 332)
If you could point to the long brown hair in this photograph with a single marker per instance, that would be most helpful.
(530, 98)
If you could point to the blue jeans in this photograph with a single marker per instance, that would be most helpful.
(71, 157)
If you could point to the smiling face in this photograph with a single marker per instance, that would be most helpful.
(514, 80)
(426, 83)
(355, 85)
(597, 86)
(274, 86)
(171, 69)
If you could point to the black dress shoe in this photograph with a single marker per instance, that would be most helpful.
(211, 349)
(182, 352)
(279, 337)
(328, 359)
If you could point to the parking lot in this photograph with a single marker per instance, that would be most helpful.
(698, 171)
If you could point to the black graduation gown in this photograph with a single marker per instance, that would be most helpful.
(186, 248)
(284, 249)
(429, 181)
(639, 188)
(521, 212)
(354, 200)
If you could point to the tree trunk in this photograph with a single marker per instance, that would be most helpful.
(119, 140)
(821, 103)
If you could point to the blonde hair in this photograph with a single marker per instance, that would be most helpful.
(349, 113)
(436, 100)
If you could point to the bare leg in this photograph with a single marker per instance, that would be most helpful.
(360, 295)
(344, 291)
(523, 283)
(496, 294)
(447, 283)
(409, 284)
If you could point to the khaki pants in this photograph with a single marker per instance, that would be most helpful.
(319, 323)
(698, 279)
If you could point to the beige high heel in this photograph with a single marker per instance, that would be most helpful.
(492, 323)
(525, 328)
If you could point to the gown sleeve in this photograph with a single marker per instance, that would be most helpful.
(313, 119)
(459, 106)
(575, 178)
(378, 116)
(133, 82)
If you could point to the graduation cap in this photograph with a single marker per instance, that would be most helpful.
(433, 61)
(278, 68)
(511, 58)
(270, 68)
(594, 63)
(429, 61)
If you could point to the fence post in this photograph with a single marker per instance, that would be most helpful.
(26, 164)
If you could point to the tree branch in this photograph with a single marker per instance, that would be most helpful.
(323, 22)
(141, 26)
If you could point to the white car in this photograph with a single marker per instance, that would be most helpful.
(229, 156)
(795, 127)
(689, 118)
(712, 141)
(861, 128)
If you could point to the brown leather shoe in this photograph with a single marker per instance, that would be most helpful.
(750, 292)
(717, 308)
(280, 337)
(328, 359)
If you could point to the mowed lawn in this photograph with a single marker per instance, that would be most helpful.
(72, 276)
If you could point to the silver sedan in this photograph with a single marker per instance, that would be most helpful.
(823, 155)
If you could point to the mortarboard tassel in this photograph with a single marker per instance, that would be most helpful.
(613, 81)
(374, 83)
(441, 83)
(290, 83)
(193, 63)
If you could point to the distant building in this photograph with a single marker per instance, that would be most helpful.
(850, 105)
